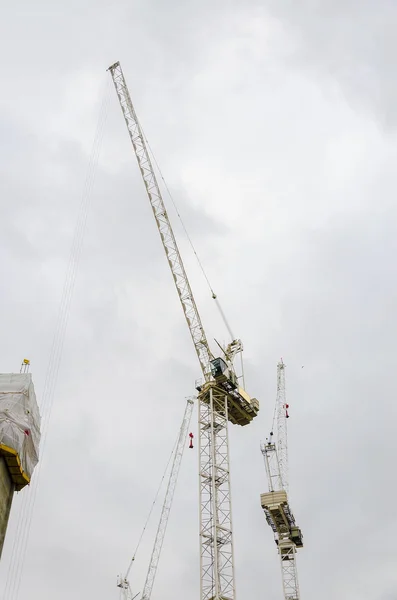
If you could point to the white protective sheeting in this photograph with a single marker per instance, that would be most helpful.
(20, 418)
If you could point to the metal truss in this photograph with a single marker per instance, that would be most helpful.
(160, 214)
(216, 533)
(282, 439)
(288, 535)
(125, 589)
(272, 466)
(216, 540)
(123, 582)
(169, 495)
(289, 573)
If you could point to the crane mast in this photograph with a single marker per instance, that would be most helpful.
(169, 495)
(123, 583)
(275, 504)
(282, 433)
(221, 399)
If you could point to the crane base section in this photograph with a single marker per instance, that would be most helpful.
(279, 516)
(241, 408)
(289, 573)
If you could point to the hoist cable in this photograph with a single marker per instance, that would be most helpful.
(214, 296)
(152, 507)
(21, 538)
(274, 419)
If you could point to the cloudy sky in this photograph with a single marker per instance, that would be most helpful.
(274, 123)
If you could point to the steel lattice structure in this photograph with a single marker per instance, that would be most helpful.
(282, 434)
(125, 590)
(158, 544)
(123, 583)
(272, 465)
(275, 503)
(216, 530)
(289, 571)
(163, 223)
(221, 399)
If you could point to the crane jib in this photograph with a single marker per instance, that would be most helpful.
(167, 236)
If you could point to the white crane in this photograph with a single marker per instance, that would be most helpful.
(123, 582)
(221, 399)
(275, 504)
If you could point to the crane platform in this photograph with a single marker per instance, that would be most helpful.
(240, 407)
(279, 516)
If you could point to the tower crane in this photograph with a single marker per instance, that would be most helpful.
(287, 534)
(221, 399)
(123, 582)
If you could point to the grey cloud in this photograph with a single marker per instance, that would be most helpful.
(350, 42)
(299, 247)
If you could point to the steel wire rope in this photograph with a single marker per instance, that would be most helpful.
(274, 418)
(214, 296)
(58, 342)
(153, 505)
(56, 354)
(18, 554)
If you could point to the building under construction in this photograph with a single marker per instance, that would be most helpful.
(19, 438)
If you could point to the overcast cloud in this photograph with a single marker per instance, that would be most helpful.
(274, 125)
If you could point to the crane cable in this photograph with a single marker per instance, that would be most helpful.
(274, 420)
(214, 296)
(21, 539)
(152, 507)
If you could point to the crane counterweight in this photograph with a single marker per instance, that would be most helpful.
(241, 408)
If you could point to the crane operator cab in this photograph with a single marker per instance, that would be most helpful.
(241, 408)
(222, 373)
